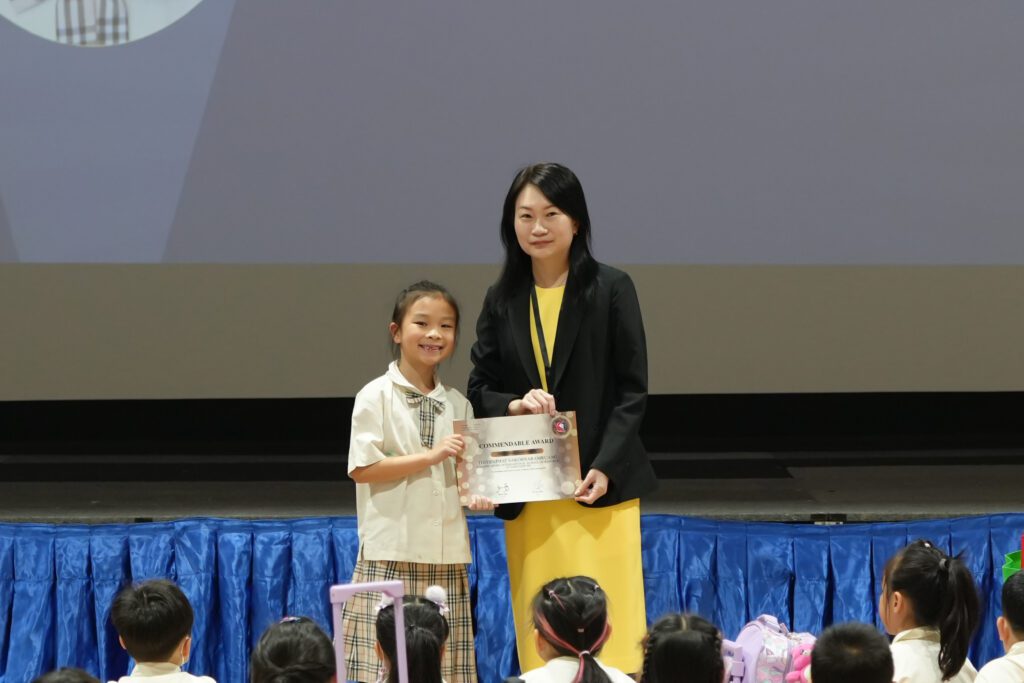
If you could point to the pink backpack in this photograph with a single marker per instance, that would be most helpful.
(768, 651)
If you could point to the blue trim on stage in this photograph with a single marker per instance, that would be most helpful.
(57, 581)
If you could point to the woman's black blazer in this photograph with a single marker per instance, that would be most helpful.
(599, 369)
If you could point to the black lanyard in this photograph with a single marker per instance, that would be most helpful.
(540, 337)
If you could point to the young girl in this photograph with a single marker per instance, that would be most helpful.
(930, 604)
(570, 618)
(426, 632)
(295, 650)
(401, 455)
(683, 647)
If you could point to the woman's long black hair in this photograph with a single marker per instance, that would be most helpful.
(572, 616)
(683, 647)
(562, 188)
(942, 595)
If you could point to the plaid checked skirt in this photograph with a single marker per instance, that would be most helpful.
(360, 617)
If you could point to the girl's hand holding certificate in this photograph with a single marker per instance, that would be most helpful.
(450, 446)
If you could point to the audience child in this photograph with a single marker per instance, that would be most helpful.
(570, 618)
(294, 650)
(154, 622)
(402, 457)
(929, 602)
(67, 675)
(1009, 669)
(851, 652)
(682, 648)
(426, 632)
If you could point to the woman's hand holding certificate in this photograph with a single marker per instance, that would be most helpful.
(518, 459)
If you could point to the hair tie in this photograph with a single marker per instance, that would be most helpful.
(438, 596)
(385, 601)
(554, 596)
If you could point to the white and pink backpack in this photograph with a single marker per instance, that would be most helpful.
(766, 652)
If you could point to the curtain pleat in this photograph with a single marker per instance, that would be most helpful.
(57, 582)
(6, 594)
(234, 586)
(495, 639)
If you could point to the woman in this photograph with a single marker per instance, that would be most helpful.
(560, 331)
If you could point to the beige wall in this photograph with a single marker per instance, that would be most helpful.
(163, 331)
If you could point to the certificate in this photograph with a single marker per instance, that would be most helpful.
(520, 458)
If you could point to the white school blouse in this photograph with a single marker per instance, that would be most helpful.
(418, 518)
(162, 672)
(1008, 669)
(915, 658)
(563, 670)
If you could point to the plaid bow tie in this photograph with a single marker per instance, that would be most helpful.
(430, 408)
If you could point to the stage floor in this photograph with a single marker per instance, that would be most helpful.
(791, 494)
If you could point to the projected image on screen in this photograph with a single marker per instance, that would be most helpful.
(94, 23)
(748, 132)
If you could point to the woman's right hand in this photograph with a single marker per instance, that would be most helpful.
(534, 402)
(450, 446)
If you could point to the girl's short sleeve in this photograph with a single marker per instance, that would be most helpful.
(366, 443)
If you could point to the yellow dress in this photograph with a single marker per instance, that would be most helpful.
(562, 538)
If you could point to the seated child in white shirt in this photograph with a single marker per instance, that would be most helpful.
(930, 604)
(851, 652)
(571, 620)
(294, 650)
(1009, 669)
(154, 622)
(683, 648)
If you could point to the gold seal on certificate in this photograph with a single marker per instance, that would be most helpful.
(519, 459)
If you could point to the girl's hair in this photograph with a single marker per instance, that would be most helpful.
(942, 595)
(563, 189)
(66, 674)
(426, 630)
(413, 293)
(295, 650)
(572, 616)
(683, 643)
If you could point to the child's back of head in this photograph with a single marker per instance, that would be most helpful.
(851, 652)
(67, 675)
(295, 650)
(154, 621)
(941, 594)
(426, 632)
(1012, 624)
(683, 647)
(571, 615)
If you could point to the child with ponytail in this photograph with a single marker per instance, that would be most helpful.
(683, 648)
(570, 618)
(930, 604)
(426, 632)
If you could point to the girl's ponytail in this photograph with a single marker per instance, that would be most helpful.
(424, 654)
(942, 593)
(959, 617)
